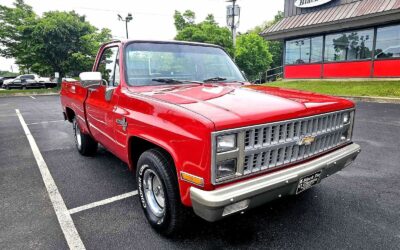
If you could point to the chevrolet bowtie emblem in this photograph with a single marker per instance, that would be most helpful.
(306, 140)
(123, 123)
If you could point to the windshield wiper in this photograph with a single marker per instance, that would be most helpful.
(215, 79)
(166, 80)
(171, 80)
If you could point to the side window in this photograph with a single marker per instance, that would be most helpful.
(107, 66)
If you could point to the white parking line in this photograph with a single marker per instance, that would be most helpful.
(64, 218)
(34, 98)
(103, 202)
(36, 123)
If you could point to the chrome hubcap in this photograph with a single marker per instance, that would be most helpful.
(154, 192)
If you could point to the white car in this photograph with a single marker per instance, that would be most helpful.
(34, 77)
(26, 81)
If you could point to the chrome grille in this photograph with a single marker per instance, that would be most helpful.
(278, 156)
(274, 145)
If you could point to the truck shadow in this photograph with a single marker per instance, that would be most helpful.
(271, 223)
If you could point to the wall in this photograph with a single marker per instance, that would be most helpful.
(386, 68)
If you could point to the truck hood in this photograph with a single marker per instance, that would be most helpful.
(232, 105)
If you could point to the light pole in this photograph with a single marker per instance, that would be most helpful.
(127, 19)
(233, 18)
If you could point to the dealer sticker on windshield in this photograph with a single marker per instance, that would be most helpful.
(307, 182)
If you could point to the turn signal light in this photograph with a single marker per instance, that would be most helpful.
(192, 179)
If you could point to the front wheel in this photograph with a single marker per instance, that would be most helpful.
(85, 144)
(159, 192)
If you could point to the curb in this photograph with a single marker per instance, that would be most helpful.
(373, 99)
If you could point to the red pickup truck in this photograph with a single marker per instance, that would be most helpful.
(183, 116)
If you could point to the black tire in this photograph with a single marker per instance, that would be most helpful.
(172, 219)
(86, 145)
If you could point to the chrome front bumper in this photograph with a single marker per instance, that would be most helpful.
(215, 205)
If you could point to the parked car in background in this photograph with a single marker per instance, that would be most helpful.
(30, 81)
(19, 83)
(34, 77)
(5, 78)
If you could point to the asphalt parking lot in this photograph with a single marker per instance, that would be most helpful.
(356, 209)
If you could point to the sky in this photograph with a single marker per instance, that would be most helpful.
(152, 19)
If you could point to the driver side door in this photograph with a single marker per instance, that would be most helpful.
(102, 101)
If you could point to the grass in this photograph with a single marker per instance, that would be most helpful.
(345, 88)
(20, 92)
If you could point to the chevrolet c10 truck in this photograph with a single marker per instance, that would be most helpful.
(201, 137)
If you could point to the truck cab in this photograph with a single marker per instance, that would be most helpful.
(198, 135)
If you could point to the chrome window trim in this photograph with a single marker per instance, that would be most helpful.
(240, 150)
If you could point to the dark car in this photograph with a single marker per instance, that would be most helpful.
(3, 78)
(23, 84)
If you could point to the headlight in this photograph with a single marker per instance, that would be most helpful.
(226, 143)
(348, 119)
(345, 135)
(226, 168)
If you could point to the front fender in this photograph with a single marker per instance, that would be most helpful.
(181, 133)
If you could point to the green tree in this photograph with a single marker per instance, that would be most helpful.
(275, 47)
(15, 33)
(252, 54)
(65, 42)
(56, 42)
(207, 31)
(184, 20)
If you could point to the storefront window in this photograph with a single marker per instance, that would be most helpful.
(306, 50)
(317, 44)
(388, 42)
(349, 46)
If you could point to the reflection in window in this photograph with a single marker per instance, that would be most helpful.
(388, 42)
(306, 50)
(356, 45)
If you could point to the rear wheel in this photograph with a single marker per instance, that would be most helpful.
(159, 192)
(85, 144)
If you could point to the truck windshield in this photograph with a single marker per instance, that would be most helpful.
(164, 63)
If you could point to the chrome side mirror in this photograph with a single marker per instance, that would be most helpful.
(90, 79)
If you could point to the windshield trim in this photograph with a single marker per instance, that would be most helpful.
(125, 46)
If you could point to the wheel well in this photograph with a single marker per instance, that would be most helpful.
(70, 114)
(137, 146)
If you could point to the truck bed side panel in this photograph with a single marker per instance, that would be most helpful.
(73, 96)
